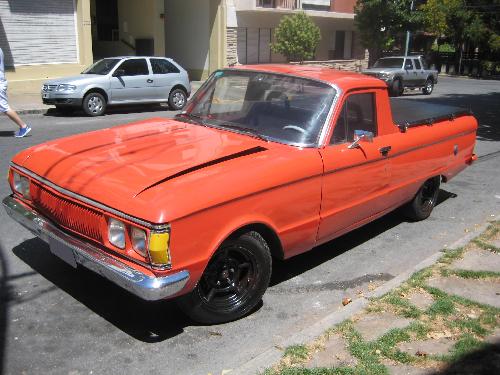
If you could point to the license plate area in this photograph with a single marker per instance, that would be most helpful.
(45, 96)
(62, 251)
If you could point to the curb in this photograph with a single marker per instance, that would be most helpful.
(35, 111)
(272, 355)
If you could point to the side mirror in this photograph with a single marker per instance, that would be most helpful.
(361, 135)
(119, 73)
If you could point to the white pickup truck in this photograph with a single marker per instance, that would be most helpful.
(400, 72)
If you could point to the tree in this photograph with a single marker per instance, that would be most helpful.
(296, 37)
(380, 22)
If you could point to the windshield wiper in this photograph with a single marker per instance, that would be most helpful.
(197, 119)
(245, 129)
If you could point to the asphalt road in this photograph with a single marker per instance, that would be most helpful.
(56, 320)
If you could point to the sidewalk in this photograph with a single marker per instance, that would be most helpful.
(30, 102)
(443, 319)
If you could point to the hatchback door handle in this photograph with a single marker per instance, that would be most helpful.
(150, 81)
(385, 150)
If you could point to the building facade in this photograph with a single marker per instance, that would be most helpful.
(49, 38)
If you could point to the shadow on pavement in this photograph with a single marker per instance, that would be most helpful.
(157, 321)
(113, 110)
(485, 107)
(6, 133)
(485, 361)
(5, 295)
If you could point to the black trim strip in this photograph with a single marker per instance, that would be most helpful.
(249, 151)
(400, 153)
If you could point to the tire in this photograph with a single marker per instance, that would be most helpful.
(233, 282)
(94, 104)
(177, 99)
(424, 201)
(65, 110)
(397, 87)
(429, 86)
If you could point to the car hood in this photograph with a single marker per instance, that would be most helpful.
(75, 80)
(119, 165)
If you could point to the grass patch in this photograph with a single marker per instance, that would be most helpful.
(465, 345)
(451, 255)
(443, 306)
(314, 371)
(486, 246)
(467, 274)
(405, 308)
(297, 353)
(469, 325)
(417, 280)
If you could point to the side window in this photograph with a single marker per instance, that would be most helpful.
(417, 64)
(134, 67)
(358, 113)
(162, 66)
(408, 64)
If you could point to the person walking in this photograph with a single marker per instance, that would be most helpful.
(24, 129)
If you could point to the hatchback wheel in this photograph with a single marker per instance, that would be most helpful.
(177, 99)
(424, 201)
(94, 104)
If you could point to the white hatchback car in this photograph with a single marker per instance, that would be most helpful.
(120, 80)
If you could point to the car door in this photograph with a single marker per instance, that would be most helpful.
(354, 178)
(164, 76)
(411, 77)
(420, 72)
(132, 82)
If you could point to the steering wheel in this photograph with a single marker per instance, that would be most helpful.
(295, 127)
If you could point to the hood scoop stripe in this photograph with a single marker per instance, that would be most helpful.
(250, 151)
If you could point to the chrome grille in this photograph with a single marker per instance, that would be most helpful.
(68, 214)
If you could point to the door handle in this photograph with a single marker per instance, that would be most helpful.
(385, 150)
(149, 81)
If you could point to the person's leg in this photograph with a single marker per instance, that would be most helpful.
(15, 117)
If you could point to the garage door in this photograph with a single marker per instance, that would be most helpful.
(38, 32)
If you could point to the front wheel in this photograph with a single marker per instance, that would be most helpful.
(424, 201)
(397, 87)
(429, 86)
(94, 104)
(177, 99)
(233, 282)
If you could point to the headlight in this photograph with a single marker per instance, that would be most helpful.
(65, 87)
(138, 237)
(384, 75)
(116, 233)
(21, 185)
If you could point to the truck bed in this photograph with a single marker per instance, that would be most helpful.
(410, 113)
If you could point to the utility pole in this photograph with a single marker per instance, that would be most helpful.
(408, 33)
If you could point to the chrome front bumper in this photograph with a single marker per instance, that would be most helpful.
(89, 256)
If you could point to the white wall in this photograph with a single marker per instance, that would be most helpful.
(187, 33)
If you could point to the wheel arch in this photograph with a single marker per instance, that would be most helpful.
(268, 234)
(98, 90)
(179, 86)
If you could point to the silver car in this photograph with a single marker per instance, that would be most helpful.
(120, 80)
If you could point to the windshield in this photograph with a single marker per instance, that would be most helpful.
(274, 107)
(391, 62)
(102, 67)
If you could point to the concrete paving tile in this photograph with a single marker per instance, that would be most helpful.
(482, 291)
(373, 326)
(495, 242)
(421, 299)
(478, 260)
(494, 337)
(408, 370)
(427, 347)
(334, 355)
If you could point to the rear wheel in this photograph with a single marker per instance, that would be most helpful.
(94, 104)
(233, 282)
(177, 99)
(429, 86)
(424, 201)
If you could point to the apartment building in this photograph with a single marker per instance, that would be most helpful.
(49, 38)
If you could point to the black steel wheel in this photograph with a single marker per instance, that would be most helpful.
(233, 282)
(177, 99)
(429, 86)
(424, 201)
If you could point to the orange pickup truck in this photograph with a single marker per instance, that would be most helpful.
(266, 162)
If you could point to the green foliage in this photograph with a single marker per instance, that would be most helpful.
(296, 37)
(445, 47)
